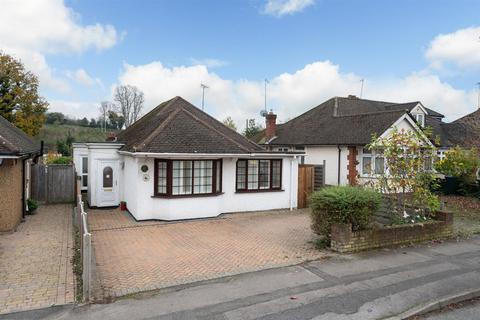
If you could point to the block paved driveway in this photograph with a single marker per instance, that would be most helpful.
(35, 261)
(139, 256)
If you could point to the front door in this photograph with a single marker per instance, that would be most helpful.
(108, 183)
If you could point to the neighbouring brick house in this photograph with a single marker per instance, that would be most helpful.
(16, 153)
(336, 132)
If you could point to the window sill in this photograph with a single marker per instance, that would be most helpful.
(259, 190)
(168, 196)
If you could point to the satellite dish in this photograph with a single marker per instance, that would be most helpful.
(263, 113)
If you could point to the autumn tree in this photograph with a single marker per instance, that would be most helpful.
(20, 102)
(129, 103)
(228, 121)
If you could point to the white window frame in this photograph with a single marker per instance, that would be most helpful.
(372, 155)
(420, 118)
(84, 175)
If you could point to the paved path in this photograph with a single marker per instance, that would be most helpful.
(35, 268)
(139, 256)
(375, 285)
(467, 312)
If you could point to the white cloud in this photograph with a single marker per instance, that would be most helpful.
(41, 27)
(461, 48)
(284, 7)
(210, 63)
(81, 76)
(75, 109)
(289, 94)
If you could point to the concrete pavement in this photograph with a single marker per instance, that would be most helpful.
(373, 285)
(466, 312)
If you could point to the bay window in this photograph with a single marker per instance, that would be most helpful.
(258, 175)
(187, 177)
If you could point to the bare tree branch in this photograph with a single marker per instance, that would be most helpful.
(129, 103)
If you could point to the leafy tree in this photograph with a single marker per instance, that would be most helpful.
(252, 129)
(407, 176)
(93, 123)
(64, 147)
(83, 122)
(54, 118)
(116, 121)
(228, 121)
(20, 102)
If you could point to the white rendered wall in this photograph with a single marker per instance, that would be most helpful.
(316, 155)
(138, 194)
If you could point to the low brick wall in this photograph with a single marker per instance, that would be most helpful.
(346, 240)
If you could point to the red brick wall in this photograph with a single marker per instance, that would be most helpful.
(352, 175)
(270, 125)
(10, 194)
(346, 240)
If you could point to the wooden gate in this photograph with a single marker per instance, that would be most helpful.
(306, 180)
(54, 183)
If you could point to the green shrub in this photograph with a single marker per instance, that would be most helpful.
(60, 160)
(343, 204)
(32, 205)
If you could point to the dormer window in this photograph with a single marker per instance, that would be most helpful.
(420, 117)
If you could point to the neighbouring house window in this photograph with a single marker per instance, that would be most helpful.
(107, 177)
(420, 119)
(373, 162)
(84, 171)
(187, 177)
(366, 162)
(258, 175)
(379, 162)
(283, 149)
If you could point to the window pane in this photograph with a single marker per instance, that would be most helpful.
(264, 174)
(84, 165)
(366, 165)
(276, 173)
(181, 177)
(203, 176)
(162, 177)
(252, 174)
(218, 176)
(107, 177)
(379, 165)
(84, 180)
(241, 174)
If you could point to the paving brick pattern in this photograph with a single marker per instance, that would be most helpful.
(134, 256)
(35, 261)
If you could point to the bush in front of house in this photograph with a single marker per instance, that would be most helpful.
(32, 206)
(343, 204)
(60, 160)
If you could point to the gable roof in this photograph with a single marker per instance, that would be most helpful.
(177, 126)
(465, 131)
(342, 120)
(14, 141)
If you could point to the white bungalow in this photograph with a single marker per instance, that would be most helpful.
(177, 162)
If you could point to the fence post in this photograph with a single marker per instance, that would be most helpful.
(87, 244)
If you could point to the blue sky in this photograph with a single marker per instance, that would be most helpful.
(309, 50)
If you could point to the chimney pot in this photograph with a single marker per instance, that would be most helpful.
(270, 125)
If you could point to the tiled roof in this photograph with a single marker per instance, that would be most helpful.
(177, 126)
(14, 141)
(344, 121)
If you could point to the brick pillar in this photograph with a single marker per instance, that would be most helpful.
(352, 166)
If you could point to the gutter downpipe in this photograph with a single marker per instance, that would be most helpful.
(339, 164)
(24, 201)
(291, 183)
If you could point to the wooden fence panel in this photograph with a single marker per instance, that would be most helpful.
(306, 180)
(53, 183)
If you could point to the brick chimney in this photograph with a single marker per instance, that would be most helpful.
(271, 125)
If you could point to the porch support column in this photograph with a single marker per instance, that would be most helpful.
(352, 166)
